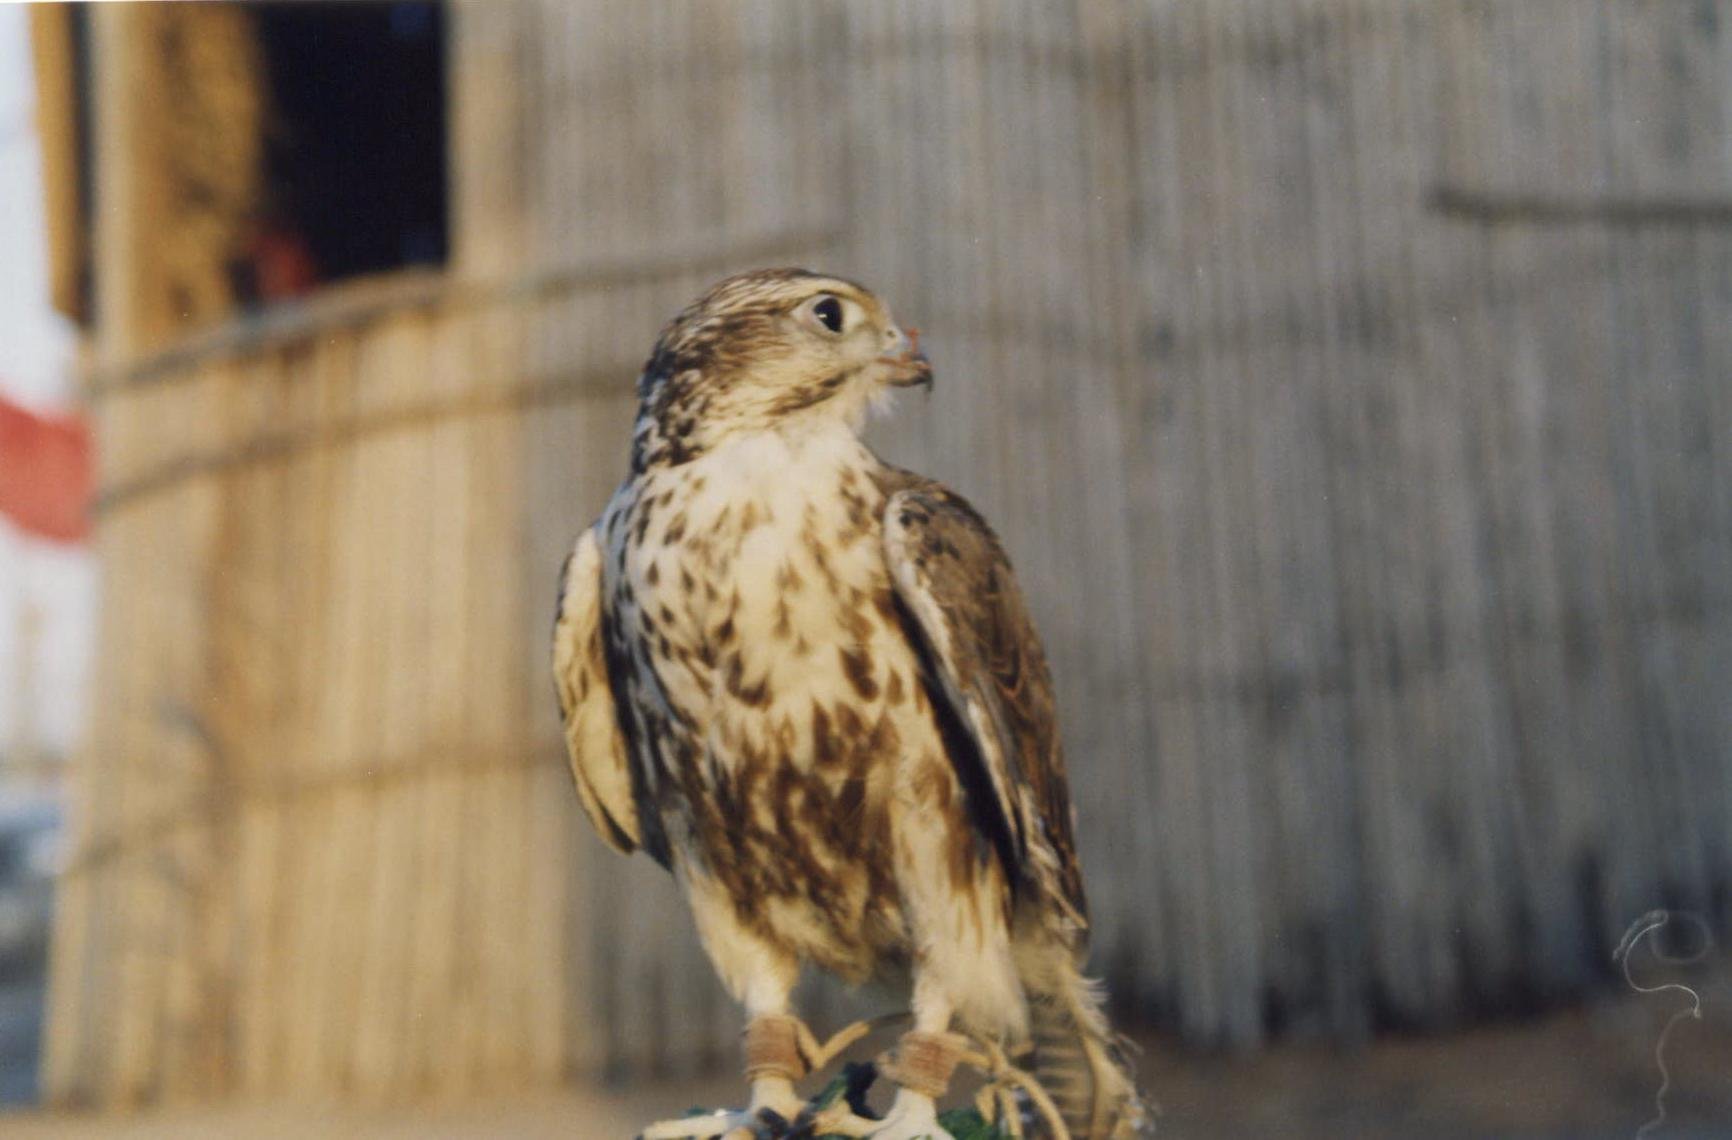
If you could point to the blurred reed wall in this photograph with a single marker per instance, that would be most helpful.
(1350, 379)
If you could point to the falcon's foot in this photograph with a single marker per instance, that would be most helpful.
(702, 1127)
(779, 1051)
(912, 1117)
(760, 1122)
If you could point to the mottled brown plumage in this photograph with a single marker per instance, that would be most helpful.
(805, 681)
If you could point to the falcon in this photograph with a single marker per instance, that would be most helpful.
(805, 682)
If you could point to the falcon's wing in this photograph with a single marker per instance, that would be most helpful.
(954, 579)
(592, 737)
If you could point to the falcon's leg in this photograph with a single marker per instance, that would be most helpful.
(761, 977)
(921, 1067)
(963, 965)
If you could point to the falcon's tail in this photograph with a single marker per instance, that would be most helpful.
(1081, 1063)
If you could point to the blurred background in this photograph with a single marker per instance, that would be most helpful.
(1351, 381)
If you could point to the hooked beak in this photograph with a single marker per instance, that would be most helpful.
(906, 365)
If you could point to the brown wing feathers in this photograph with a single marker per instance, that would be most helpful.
(956, 583)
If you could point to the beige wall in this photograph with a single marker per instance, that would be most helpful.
(1349, 381)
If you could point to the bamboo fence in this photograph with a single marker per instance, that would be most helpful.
(1350, 379)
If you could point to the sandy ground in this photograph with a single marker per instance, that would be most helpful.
(1588, 1073)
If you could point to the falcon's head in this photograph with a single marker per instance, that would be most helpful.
(767, 350)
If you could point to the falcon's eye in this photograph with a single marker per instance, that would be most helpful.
(828, 310)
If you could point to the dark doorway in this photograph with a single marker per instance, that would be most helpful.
(355, 149)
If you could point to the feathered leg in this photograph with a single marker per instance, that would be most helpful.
(921, 1067)
(963, 967)
(761, 977)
